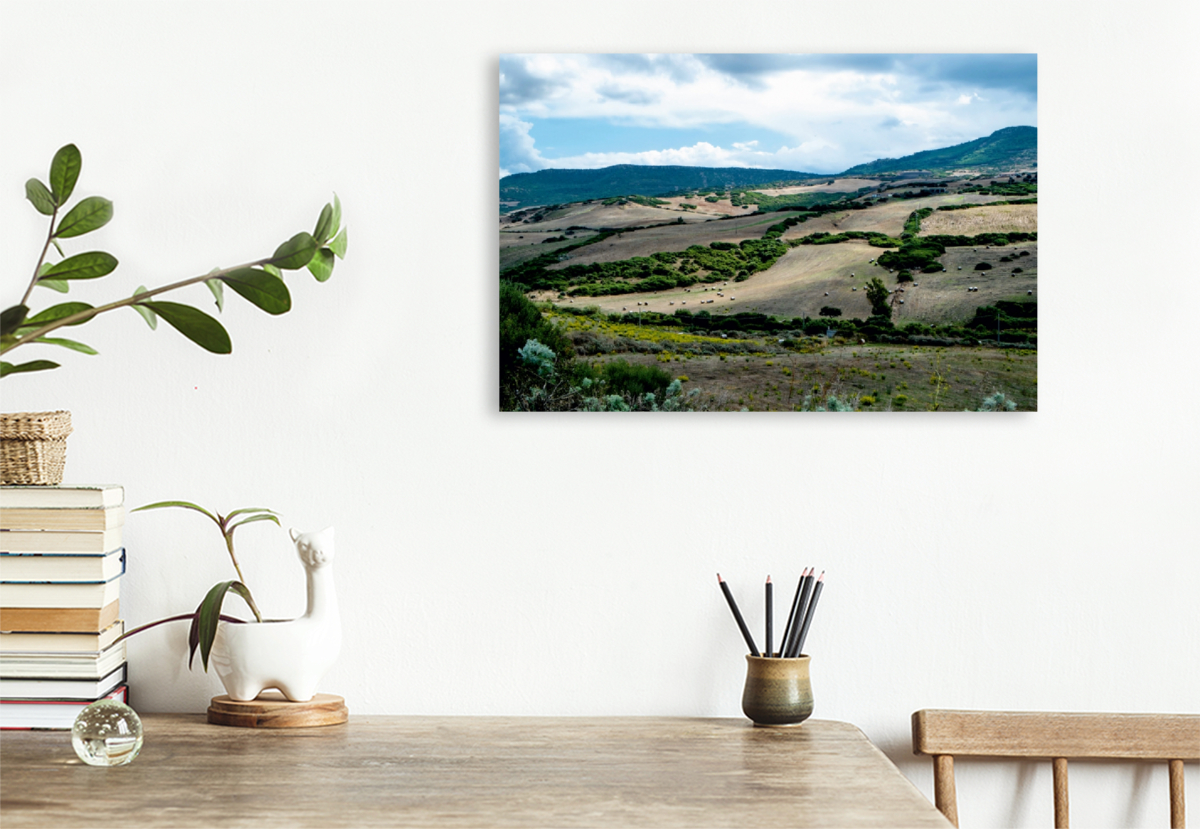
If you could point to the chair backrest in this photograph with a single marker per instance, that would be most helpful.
(945, 735)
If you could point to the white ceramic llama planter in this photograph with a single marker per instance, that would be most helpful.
(291, 655)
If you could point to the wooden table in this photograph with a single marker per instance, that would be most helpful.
(466, 771)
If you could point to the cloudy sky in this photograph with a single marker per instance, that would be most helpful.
(811, 113)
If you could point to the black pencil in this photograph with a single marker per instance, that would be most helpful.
(808, 616)
(789, 647)
(791, 622)
(737, 615)
(770, 614)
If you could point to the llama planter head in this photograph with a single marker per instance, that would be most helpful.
(291, 655)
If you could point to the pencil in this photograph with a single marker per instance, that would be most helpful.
(791, 622)
(808, 617)
(770, 613)
(789, 647)
(737, 615)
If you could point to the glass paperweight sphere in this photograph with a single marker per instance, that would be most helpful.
(107, 733)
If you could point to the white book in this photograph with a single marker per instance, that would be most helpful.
(33, 568)
(89, 689)
(59, 541)
(70, 519)
(60, 595)
(99, 496)
(50, 714)
(49, 644)
(63, 666)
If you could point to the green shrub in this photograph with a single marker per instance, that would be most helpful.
(636, 380)
(983, 266)
(830, 311)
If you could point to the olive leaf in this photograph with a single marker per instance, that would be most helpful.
(11, 319)
(65, 343)
(265, 290)
(321, 265)
(39, 195)
(194, 324)
(34, 365)
(82, 266)
(64, 172)
(90, 214)
(338, 245)
(149, 316)
(57, 312)
(295, 252)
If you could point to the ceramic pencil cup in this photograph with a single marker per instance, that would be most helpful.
(778, 691)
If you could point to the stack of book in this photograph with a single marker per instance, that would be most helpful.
(61, 562)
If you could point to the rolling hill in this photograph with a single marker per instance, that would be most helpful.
(1006, 148)
(561, 186)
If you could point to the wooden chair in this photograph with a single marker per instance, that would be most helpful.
(945, 735)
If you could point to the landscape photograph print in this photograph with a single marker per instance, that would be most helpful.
(768, 232)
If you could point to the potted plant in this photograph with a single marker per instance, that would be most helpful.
(34, 444)
(249, 657)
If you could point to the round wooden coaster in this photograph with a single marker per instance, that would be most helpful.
(271, 709)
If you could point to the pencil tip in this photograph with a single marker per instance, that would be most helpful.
(768, 579)
(719, 577)
(822, 576)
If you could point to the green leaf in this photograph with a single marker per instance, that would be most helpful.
(295, 252)
(325, 227)
(64, 172)
(338, 245)
(208, 615)
(245, 510)
(11, 318)
(271, 269)
(149, 316)
(322, 264)
(57, 312)
(60, 285)
(89, 265)
(39, 195)
(337, 214)
(261, 288)
(65, 343)
(36, 365)
(194, 324)
(91, 213)
(218, 292)
(251, 520)
(183, 504)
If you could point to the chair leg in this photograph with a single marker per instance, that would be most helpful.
(1178, 821)
(1062, 809)
(943, 787)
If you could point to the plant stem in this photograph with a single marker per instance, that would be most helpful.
(178, 618)
(37, 269)
(133, 300)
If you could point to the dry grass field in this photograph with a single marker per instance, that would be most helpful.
(796, 286)
(895, 378)
(888, 217)
(1003, 218)
(672, 237)
(841, 185)
(597, 214)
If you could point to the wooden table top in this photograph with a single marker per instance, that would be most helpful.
(466, 771)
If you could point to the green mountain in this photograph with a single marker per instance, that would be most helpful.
(563, 186)
(1004, 149)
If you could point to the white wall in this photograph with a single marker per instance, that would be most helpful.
(565, 565)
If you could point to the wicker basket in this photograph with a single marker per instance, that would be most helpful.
(33, 447)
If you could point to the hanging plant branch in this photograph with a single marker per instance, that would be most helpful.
(260, 281)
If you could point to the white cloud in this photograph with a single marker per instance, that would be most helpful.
(829, 110)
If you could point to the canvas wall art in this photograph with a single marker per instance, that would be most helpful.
(795, 233)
